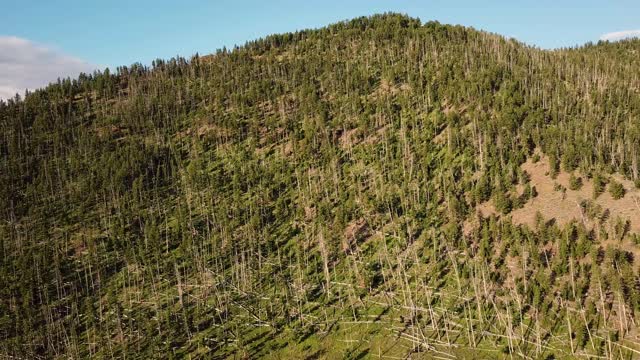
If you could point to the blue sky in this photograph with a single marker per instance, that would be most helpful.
(117, 32)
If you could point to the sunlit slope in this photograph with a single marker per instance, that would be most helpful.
(376, 188)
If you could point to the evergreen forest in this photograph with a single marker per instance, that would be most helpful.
(378, 188)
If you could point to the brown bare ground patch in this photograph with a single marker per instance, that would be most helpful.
(565, 207)
(387, 88)
(469, 225)
(202, 127)
(79, 240)
(448, 109)
(514, 265)
(349, 138)
(354, 233)
(487, 209)
(442, 136)
(287, 148)
(209, 128)
(283, 149)
(309, 213)
(110, 131)
(376, 136)
(266, 108)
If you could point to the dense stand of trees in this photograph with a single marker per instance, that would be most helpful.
(307, 188)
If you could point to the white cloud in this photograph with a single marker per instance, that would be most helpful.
(619, 35)
(28, 65)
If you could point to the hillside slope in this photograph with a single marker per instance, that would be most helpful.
(367, 189)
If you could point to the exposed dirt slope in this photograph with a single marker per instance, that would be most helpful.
(564, 206)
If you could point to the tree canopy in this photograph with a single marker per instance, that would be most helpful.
(316, 194)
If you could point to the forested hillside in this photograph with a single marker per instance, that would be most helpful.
(378, 188)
